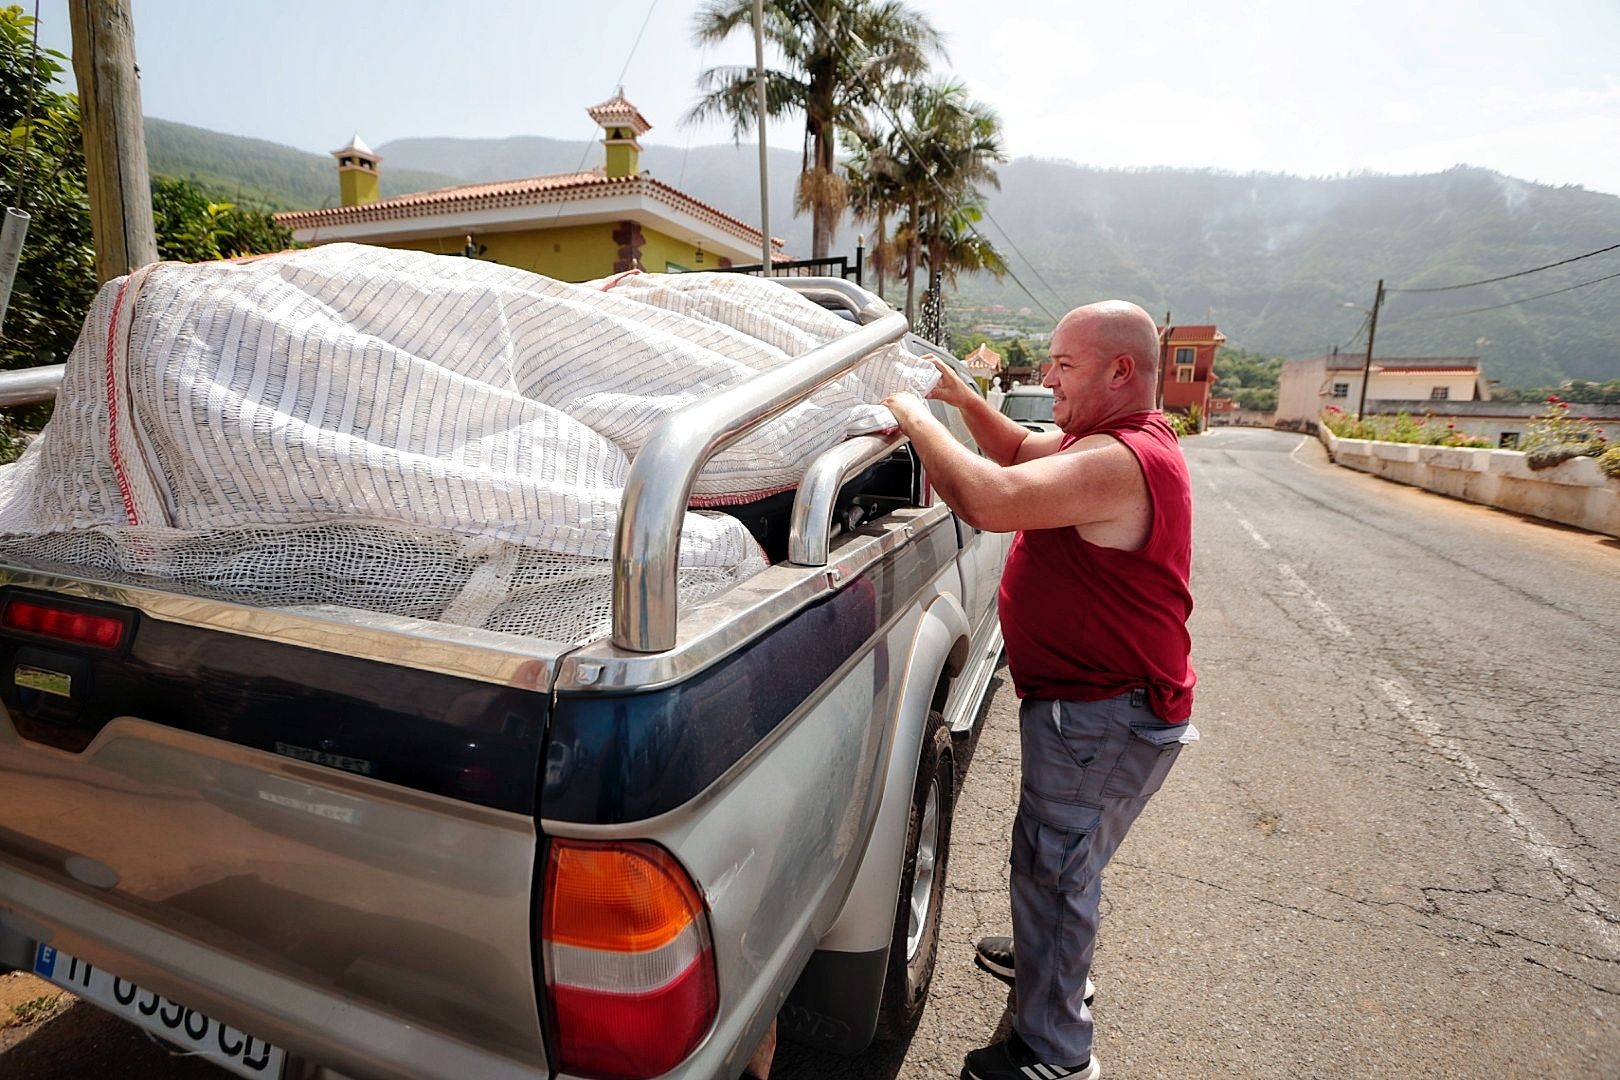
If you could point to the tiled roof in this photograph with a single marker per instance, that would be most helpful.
(985, 356)
(530, 191)
(1346, 362)
(617, 110)
(1195, 334)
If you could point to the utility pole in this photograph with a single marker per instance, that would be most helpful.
(120, 187)
(1372, 329)
(759, 104)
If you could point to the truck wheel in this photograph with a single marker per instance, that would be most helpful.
(915, 942)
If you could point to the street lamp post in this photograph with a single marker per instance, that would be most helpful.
(1372, 330)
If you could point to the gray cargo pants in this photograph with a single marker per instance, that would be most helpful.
(1089, 767)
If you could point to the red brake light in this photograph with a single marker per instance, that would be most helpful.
(64, 623)
(629, 968)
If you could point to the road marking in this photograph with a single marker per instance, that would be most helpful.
(1330, 619)
(1254, 533)
(1531, 837)
(1294, 455)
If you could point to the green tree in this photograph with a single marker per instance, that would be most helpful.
(872, 174)
(45, 175)
(1017, 355)
(837, 55)
(955, 247)
(946, 147)
(191, 228)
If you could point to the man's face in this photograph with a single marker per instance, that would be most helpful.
(1078, 377)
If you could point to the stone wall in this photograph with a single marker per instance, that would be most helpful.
(1572, 493)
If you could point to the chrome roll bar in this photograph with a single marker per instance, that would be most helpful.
(646, 547)
(30, 386)
(810, 532)
(865, 306)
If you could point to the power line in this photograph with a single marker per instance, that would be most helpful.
(590, 144)
(1511, 303)
(1365, 321)
(877, 100)
(1505, 277)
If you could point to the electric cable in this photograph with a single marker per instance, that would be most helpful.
(590, 144)
(1510, 303)
(1505, 277)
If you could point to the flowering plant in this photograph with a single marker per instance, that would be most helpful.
(1401, 428)
(1556, 436)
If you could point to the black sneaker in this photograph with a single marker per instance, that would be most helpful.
(1014, 1060)
(995, 955)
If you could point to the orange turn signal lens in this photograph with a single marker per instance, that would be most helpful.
(617, 897)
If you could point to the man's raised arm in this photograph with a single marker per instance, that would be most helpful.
(1003, 440)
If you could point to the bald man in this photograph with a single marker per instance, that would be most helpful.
(1094, 604)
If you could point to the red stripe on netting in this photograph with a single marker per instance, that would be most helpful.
(616, 279)
(112, 409)
(709, 502)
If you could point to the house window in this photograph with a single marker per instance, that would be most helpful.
(1440, 393)
(1509, 440)
(1341, 389)
(1184, 356)
(1184, 373)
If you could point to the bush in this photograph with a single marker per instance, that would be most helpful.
(12, 440)
(1555, 436)
(1609, 462)
(1400, 428)
(1182, 424)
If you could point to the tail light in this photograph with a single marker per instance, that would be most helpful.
(68, 621)
(629, 969)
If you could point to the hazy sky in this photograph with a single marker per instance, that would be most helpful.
(1312, 87)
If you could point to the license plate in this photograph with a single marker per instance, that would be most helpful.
(189, 1029)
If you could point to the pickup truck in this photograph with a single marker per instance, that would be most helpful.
(337, 843)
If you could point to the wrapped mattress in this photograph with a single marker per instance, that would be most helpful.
(433, 437)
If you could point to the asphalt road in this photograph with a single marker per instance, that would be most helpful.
(1395, 853)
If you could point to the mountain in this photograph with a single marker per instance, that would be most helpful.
(1271, 259)
(261, 174)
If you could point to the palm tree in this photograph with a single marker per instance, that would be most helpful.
(955, 247)
(872, 173)
(837, 56)
(947, 146)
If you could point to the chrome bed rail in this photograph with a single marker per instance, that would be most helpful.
(30, 386)
(658, 489)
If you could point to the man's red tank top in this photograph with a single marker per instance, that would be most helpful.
(1084, 623)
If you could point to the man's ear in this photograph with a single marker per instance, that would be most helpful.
(1123, 372)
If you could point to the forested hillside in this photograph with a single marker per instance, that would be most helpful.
(264, 175)
(1271, 259)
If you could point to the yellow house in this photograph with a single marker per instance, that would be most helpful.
(571, 226)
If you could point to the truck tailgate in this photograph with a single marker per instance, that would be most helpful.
(310, 828)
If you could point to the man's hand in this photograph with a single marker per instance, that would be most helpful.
(908, 409)
(952, 389)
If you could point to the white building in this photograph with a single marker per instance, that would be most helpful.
(1306, 387)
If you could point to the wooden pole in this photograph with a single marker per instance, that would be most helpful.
(1372, 330)
(120, 187)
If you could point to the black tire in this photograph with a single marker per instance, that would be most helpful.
(911, 970)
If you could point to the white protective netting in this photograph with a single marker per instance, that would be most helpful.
(407, 433)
